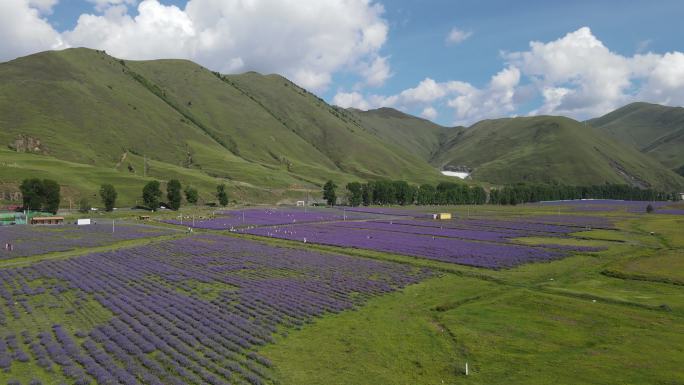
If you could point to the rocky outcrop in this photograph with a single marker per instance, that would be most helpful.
(27, 143)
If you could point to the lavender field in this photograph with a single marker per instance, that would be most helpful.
(34, 240)
(226, 220)
(480, 243)
(190, 311)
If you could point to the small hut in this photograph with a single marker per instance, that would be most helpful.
(47, 220)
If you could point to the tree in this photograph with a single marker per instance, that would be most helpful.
(366, 194)
(32, 193)
(355, 195)
(83, 205)
(173, 194)
(151, 195)
(51, 195)
(329, 193)
(222, 195)
(108, 195)
(426, 194)
(191, 194)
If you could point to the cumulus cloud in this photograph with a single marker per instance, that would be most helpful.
(468, 102)
(306, 40)
(376, 72)
(44, 6)
(351, 100)
(429, 113)
(24, 31)
(575, 75)
(457, 36)
(579, 76)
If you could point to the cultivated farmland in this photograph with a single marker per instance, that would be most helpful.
(374, 295)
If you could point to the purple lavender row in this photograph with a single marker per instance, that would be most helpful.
(268, 217)
(164, 330)
(452, 250)
(33, 240)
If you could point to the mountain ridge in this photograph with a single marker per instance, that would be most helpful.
(265, 136)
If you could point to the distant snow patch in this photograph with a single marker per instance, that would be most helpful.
(457, 174)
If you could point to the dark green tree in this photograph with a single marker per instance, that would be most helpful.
(32, 193)
(426, 194)
(51, 195)
(366, 194)
(329, 193)
(152, 194)
(83, 205)
(173, 194)
(191, 194)
(108, 196)
(222, 194)
(403, 194)
(355, 194)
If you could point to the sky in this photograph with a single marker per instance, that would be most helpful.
(453, 62)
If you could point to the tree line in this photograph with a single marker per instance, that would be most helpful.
(449, 193)
(44, 195)
(526, 193)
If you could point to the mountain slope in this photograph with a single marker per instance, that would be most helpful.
(252, 131)
(551, 149)
(653, 129)
(541, 149)
(419, 136)
(332, 131)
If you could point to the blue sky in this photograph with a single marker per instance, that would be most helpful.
(591, 56)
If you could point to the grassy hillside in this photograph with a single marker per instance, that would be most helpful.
(332, 131)
(541, 149)
(653, 129)
(257, 132)
(551, 149)
(419, 136)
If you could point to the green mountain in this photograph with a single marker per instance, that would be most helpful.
(84, 118)
(544, 149)
(653, 129)
(264, 136)
(416, 135)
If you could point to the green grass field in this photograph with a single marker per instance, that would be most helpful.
(562, 322)
(610, 317)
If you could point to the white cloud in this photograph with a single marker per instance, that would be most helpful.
(305, 40)
(158, 31)
(579, 76)
(426, 91)
(457, 36)
(23, 31)
(429, 113)
(377, 72)
(575, 75)
(351, 100)
(44, 6)
(469, 103)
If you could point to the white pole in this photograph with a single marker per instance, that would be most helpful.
(112, 226)
(466, 369)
